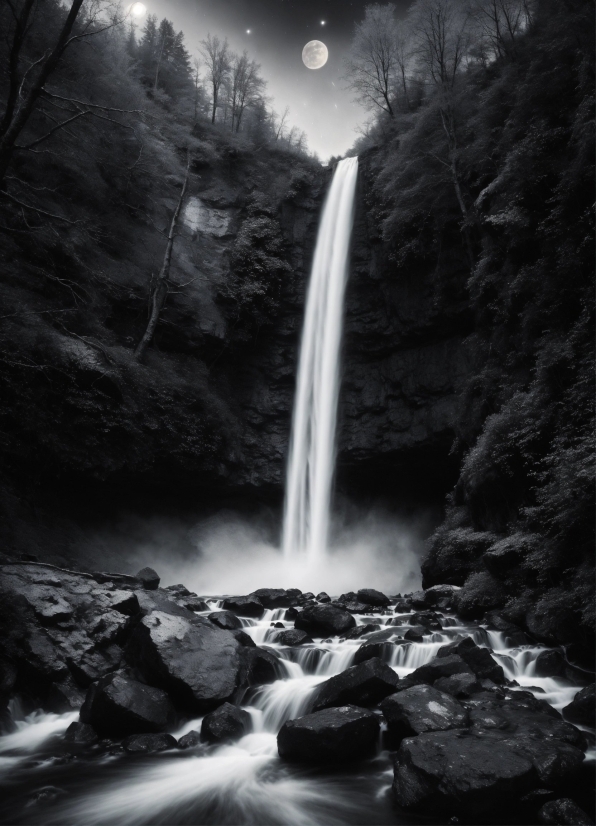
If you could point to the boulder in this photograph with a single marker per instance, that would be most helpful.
(273, 597)
(581, 709)
(428, 619)
(335, 735)
(371, 597)
(146, 743)
(149, 579)
(549, 663)
(441, 596)
(563, 812)
(243, 638)
(365, 684)
(420, 709)
(226, 620)
(418, 599)
(225, 724)
(324, 620)
(259, 666)
(189, 740)
(118, 706)
(293, 636)
(291, 613)
(415, 633)
(478, 659)
(81, 734)
(294, 593)
(459, 685)
(447, 772)
(513, 633)
(193, 603)
(356, 607)
(440, 667)
(249, 606)
(360, 630)
(197, 663)
(323, 597)
(402, 606)
(373, 649)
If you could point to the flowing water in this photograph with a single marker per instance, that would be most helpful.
(312, 444)
(244, 783)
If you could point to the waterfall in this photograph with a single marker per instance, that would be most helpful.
(312, 444)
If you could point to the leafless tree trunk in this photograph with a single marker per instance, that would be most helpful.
(217, 61)
(159, 59)
(282, 123)
(161, 288)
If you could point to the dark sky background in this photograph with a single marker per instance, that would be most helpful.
(318, 100)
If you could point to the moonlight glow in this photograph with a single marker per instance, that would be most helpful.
(315, 54)
(138, 9)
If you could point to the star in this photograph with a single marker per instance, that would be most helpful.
(248, 31)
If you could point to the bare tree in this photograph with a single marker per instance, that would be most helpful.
(27, 85)
(500, 22)
(373, 63)
(246, 86)
(279, 131)
(217, 62)
(162, 284)
(197, 89)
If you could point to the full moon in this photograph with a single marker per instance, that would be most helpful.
(138, 9)
(315, 54)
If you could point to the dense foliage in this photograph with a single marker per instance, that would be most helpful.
(521, 225)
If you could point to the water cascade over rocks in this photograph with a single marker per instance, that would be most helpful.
(312, 445)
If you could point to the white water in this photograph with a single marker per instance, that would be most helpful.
(312, 445)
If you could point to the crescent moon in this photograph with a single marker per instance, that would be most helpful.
(315, 54)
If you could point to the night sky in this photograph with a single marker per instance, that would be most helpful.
(279, 29)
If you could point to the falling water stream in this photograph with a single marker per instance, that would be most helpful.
(312, 444)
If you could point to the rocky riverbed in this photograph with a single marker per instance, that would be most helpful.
(124, 702)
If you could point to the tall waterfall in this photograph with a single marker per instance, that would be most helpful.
(312, 444)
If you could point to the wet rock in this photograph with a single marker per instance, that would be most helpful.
(415, 633)
(373, 649)
(149, 579)
(81, 734)
(293, 637)
(459, 685)
(441, 596)
(291, 613)
(249, 606)
(365, 684)
(581, 709)
(428, 619)
(372, 597)
(306, 597)
(322, 620)
(197, 663)
(478, 659)
(418, 599)
(147, 743)
(357, 607)
(513, 633)
(440, 667)
(179, 590)
(259, 666)
(243, 638)
(193, 603)
(549, 664)
(94, 665)
(335, 735)
(360, 631)
(402, 606)
(118, 706)
(164, 602)
(323, 597)
(555, 761)
(420, 709)
(277, 625)
(65, 696)
(451, 772)
(294, 593)
(563, 812)
(273, 597)
(46, 794)
(226, 620)
(225, 724)
(189, 740)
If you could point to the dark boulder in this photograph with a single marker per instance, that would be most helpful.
(291, 613)
(372, 597)
(226, 620)
(556, 762)
(243, 638)
(226, 723)
(147, 743)
(249, 606)
(189, 740)
(402, 606)
(373, 649)
(563, 812)
(440, 667)
(193, 603)
(357, 607)
(259, 666)
(512, 632)
(418, 599)
(428, 619)
(335, 735)
(149, 579)
(273, 597)
(447, 772)
(478, 659)
(81, 734)
(323, 597)
(581, 709)
(443, 597)
(360, 630)
(415, 633)
(197, 663)
(459, 685)
(365, 684)
(293, 636)
(118, 706)
(324, 620)
(420, 709)
(549, 664)
(294, 593)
